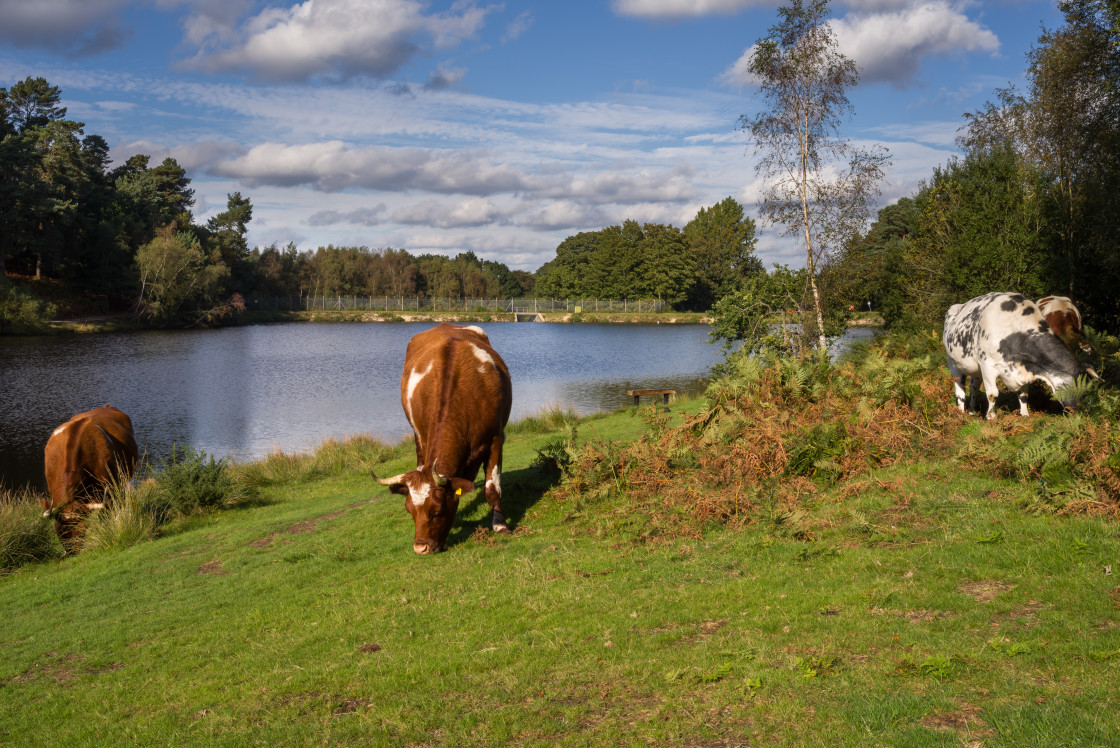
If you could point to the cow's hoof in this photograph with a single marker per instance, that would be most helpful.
(501, 529)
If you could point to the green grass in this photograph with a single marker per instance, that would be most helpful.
(920, 603)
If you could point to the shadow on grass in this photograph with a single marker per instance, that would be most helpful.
(254, 501)
(521, 489)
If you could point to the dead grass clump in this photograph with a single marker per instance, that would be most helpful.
(773, 439)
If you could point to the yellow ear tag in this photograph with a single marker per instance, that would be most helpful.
(458, 492)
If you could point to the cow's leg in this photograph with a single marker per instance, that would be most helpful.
(1023, 402)
(974, 394)
(991, 390)
(494, 484)
(958, 390)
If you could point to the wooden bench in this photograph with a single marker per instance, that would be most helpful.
(636, 394)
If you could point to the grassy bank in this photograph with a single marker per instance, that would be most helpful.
(810, 557)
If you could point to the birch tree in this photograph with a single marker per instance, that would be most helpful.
(817, 184)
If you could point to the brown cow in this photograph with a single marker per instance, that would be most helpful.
(82, 456)
(1064, 320)
(457, 395)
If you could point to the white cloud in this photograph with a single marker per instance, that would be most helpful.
(332, 166)
(474, 211)
(936, 134)
(629, 185)
(891, 46)
(193, 157)
(443, 77)
(374, 216)
(682, 8)
(570, 215)
(739, 75)
(337, 38)
(517, 27)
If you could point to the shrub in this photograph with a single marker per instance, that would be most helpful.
(190, 479)
(775, 431)
(277, 468)
(22, 311)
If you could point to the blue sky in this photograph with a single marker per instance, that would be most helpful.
(500, 128)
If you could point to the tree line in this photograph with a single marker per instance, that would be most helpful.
(689, 268)
(123, 232)
(127, 233)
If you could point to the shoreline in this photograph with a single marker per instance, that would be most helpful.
(125, 322)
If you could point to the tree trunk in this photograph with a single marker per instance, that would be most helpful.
(810, 266)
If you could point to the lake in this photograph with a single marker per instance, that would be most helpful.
(246, 391)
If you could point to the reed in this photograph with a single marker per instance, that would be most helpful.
(130, 516)
(549, 418)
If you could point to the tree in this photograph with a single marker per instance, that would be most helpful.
(40, 172)
(228, 228)
(761, 313)
(399, 272)
(565, 276)
(227, 234)
(612, 268)
(804, 80)
(176, 281)
(666, 270)
(721, 240)
(31, 103)
(870, 271)
(149, 198)
(1063, 125)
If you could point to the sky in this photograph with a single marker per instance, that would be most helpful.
(499, 128)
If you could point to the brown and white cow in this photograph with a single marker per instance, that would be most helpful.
(1064, 319)
(84, 454)
(457, 395)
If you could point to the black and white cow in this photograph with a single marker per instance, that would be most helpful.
(1004, 336)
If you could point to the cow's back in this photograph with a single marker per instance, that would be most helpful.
(454, 379)
(1016, 332)
(86, 452)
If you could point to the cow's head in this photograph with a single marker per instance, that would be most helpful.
(432, 500)
(62, 486)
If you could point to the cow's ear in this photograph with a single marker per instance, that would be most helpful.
(461, 487)
(399, 488)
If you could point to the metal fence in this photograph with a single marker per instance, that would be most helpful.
(419, 304)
